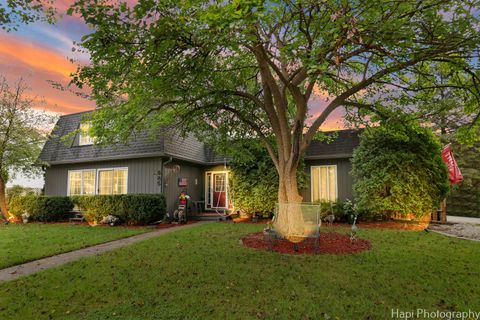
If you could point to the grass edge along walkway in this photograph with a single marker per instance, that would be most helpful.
(25, 269)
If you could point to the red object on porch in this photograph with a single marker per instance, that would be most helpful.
(454, 174)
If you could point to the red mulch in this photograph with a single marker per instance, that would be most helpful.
(330, 243)
(396, 225)
(249, 221)
(131, 226)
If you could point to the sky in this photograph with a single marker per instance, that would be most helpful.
(40, 53)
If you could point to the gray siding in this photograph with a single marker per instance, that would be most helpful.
(344, 178)
(141, 175)
(195, 175)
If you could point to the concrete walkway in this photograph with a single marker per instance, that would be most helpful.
(470, 220)
(18, 271)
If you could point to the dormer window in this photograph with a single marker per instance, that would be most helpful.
(84, 139)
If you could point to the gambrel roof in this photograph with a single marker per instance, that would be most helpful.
(167, 143)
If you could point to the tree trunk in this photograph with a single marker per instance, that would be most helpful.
(3, 200)
(289, 219)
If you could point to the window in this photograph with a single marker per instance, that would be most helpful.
(81, 182)
(112, 181)
(84, 139)
(219, 182)
(324, 183)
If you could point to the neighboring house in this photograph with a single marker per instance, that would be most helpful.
(170, 164)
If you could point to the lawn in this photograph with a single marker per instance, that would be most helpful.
(21, 243)
(204, 273)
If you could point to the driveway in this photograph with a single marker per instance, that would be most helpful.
(470, 220)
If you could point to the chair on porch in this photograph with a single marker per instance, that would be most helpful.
(305, 229)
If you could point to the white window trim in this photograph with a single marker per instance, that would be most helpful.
(81, 182)
(328, 180)
(227, 200)
(97, 186)
(81, 144)
(87, 136)
(97, 170)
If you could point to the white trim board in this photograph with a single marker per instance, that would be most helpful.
(227, 197)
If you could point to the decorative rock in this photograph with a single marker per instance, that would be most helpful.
(111, 220)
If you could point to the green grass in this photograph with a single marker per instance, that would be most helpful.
(21, 243)
(204, 273)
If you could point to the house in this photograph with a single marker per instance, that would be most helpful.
(170, 164)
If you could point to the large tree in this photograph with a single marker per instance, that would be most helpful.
(22, 132)
(252, 67)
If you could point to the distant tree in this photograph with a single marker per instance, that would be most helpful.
(15, 12)
(464, 200)
(18, 190)
(22, 133)
(398, 169)
(252, 67)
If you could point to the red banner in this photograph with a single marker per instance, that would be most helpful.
(454, 174)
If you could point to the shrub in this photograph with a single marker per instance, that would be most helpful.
(398, 170)
(40, 208)
(342, 210)
(18, 204)
(145, 208)
(94, 208)
(46, 209)
(254, 182)
(131, 208)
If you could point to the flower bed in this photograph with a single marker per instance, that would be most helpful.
(330, 243)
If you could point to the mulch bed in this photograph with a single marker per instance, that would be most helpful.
(249, 221)
(330, 243)
(396, 225)
(130, 226)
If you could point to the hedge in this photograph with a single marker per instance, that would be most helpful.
(51, 208)
(40, 208)
(130, 208)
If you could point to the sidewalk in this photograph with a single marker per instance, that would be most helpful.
(456, 219)
(18, 271)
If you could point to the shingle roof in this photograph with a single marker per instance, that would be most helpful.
(167, 143)
(340, 147)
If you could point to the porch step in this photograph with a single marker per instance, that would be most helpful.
(78, 217)
(207, 217)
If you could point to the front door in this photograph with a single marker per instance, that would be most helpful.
(217, 190)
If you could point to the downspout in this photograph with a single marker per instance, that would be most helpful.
(163, 173)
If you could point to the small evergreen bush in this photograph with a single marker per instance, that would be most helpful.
(129, 208)
(40, 208)
(48, 209)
